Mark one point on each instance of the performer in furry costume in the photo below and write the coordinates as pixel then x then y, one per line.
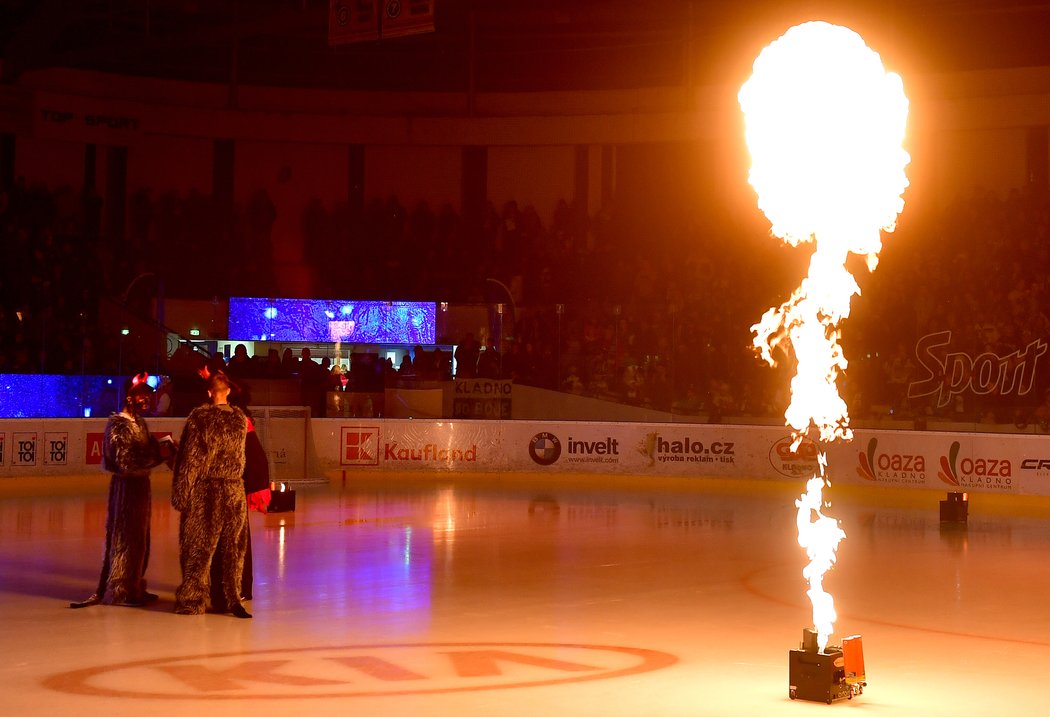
pixel 208 489
pixel 257 490
pixel 128 452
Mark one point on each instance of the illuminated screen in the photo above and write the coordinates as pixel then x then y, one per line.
pixel 54 396
pixel 329 320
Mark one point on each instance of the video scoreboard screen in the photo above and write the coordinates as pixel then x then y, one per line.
pixel 332 320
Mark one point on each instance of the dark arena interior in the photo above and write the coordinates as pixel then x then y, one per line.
pixel 486 277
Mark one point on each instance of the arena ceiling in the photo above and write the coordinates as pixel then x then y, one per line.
pixel 501 45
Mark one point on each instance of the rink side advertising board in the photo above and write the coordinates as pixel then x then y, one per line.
pixel 930 460
pixel 943 461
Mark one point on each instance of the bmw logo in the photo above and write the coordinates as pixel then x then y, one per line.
pixel 545 448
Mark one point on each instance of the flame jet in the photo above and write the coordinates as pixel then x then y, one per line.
pixel 824 123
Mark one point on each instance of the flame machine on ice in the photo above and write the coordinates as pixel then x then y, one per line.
pixel 824 124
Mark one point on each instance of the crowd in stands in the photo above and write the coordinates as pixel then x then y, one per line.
pixel 979 270
pixel 611 305
pixel 54 272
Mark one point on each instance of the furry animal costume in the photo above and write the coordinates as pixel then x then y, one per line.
pixel 256 478
pixel 128 452
pixel 208 489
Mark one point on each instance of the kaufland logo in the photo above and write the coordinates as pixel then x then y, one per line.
pixel 985 472
pixel 428 453
pixel 360 446
pixel 373 671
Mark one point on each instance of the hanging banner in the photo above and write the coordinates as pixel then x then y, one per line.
pixel 352 21
pixel 407 17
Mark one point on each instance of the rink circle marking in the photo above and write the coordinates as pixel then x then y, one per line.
pixel 566 659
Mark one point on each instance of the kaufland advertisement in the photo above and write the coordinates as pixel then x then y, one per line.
pixel 941 461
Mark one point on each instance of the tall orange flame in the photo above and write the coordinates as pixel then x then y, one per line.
pixel 825 125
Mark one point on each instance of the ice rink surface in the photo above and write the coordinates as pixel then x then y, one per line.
pixel 532 595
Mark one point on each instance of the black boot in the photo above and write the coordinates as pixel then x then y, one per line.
pixel 93 600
